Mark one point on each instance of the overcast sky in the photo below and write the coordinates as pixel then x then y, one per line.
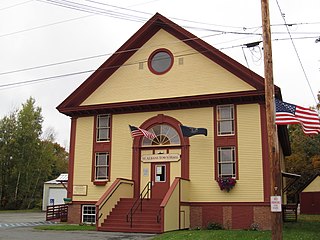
pixel 48 48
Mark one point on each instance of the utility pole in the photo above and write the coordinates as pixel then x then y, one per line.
pixel 273 151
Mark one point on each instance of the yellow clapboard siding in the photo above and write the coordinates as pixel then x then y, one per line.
pixel 129 83
pixel 249 187
pixel 250 152
pixel 202 187
pixel 83 159
pixel 314 186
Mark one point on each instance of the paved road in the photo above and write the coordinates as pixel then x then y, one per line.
pixel 19 226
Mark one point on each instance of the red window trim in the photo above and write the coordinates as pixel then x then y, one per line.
pixel 152 55
pixel 225 141
pixel 100 146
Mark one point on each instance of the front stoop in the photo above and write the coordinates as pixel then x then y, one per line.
pixel 143 222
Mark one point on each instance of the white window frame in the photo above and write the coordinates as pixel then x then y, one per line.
pixel 231 162
pixel 96 166
pixel 221 121
pixel 100 128
pixel 88 214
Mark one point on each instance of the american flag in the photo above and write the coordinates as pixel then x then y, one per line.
pixel 136 132
pixel 287 113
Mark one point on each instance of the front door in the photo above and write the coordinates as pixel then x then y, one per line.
pixel 160 177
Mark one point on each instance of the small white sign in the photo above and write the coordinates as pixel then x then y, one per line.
pixel 145 172
pixel 275 203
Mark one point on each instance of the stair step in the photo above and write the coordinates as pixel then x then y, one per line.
pixel 145 221
pixel 135 230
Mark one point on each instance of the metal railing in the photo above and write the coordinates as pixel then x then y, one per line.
pixel 138 203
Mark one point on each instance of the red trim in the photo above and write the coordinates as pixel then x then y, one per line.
pixel 170 192
pixel 104 146
pixel 136 163
pixel 133 44
pixel 265 158
pixel 84 202
pixel 151 57
pixel 179 209
pixel 225 141
pixel 166 103
pixel 71 157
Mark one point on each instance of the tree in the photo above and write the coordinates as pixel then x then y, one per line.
pixel 26 160
pixel 304 159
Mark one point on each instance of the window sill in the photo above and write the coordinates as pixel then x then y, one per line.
pixel 100 183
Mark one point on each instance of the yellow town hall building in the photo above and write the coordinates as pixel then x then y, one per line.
pixel 161 79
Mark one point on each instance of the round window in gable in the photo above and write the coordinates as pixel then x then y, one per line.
pixel 160 61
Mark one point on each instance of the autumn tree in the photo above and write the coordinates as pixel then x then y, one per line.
pixel 305 157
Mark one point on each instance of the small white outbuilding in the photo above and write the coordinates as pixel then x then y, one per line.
pixel 54 191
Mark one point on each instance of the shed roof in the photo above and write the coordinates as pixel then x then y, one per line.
pixel 63 177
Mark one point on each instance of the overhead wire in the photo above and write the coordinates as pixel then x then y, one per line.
pixel 297 54
pixel 15 5
pixel 101 55
pixel 129 19
pixel 37 80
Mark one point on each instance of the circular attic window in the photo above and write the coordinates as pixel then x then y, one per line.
pixel 160 61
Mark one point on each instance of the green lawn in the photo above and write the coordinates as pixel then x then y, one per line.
pixel 307 228
pixel 67 227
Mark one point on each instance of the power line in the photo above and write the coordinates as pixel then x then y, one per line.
pixel 296 51
pixel 43 26
pixel 37 80
pixel 55 2
pixel 15 5
pixel 129 50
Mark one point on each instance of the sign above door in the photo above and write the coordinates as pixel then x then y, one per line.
pixel 173 157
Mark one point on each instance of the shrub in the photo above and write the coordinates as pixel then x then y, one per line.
pixel 214 226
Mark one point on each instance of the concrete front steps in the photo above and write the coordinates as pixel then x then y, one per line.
pixel 143 222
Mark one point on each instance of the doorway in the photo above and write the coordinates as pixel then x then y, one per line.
pixel 160 177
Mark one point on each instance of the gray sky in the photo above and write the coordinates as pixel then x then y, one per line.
pixel 34 34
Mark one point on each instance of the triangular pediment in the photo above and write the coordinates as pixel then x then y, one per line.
pixel 199 71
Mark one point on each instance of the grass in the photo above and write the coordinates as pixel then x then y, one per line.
pixel 67 227
pixel 307 228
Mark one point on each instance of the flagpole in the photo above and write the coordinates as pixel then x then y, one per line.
pixel 273 151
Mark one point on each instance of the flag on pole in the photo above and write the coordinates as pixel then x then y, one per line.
pixel 136 132
pixel 287 113
pixel 191 131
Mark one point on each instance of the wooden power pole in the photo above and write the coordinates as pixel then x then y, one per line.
pixel 273 151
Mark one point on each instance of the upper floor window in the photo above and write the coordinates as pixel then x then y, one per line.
pixel 166 135
pixel 103 127
pixel 160 61
pixel 226 162
pixel 102 166
pixel 225 120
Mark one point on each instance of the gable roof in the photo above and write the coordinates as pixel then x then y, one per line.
pixel 307 183
pixel 71 105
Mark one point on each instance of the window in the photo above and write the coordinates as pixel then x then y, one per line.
pixel 89 214
pixel 101 166
pixel 160 173
pixel 225 120
pixel 160 61
pixel 103 127
pixel 166 135
pixel 226 162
